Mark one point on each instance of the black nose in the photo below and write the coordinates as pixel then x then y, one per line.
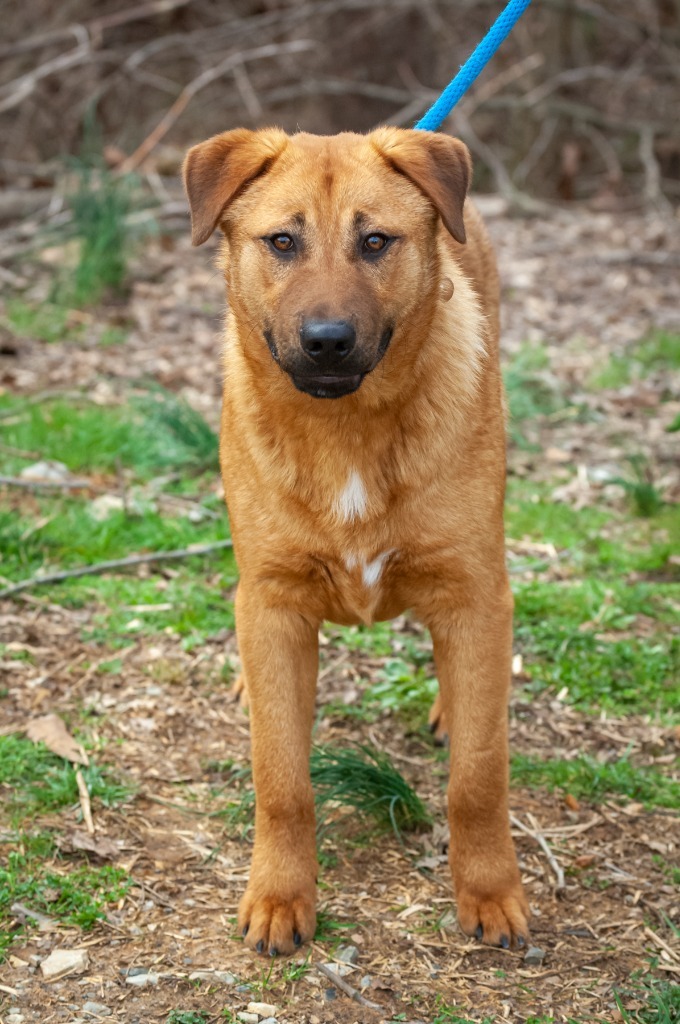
pixel 327 342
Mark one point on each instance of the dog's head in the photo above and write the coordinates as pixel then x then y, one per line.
pixel 331 250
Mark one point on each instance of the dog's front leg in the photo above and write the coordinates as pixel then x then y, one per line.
pixel 279 651
pixel 473 649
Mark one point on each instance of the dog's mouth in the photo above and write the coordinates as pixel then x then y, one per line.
pixel 330 385
pixel 326 386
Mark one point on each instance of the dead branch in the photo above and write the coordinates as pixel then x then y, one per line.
pixel 542 842
pixel 116 563
pixel 21 87
pixel 91 29
pixel 59 485
pixel 345 987
pixel 195 86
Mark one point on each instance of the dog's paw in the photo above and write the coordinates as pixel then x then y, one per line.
pixel 497 920
pixel 272 925
pixel 239 691
pixel 435 721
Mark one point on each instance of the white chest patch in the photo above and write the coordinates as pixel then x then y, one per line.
pixel 370 571
pixel 352 501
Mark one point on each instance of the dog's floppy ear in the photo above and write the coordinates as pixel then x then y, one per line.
pixel 215 172
pixel 439 165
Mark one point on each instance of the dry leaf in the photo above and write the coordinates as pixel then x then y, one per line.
pixel 51 731
pixel 100 846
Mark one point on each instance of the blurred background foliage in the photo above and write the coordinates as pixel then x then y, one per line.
pixel 581 101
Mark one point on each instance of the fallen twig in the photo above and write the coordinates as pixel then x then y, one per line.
pixel 85 805
pixel 116 563
pixel 542 842
pixel 661 943
pixel 345 987
pixel 59 485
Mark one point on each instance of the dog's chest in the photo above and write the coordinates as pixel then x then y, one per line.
pixel 363 565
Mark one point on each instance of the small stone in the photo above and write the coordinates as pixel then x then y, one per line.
pixel 269 1020
pixel 15 1017
pixel 104 506
pixel 340 969
pixel 330 994
pixel 262 1009
pixel 64 961
pixel 131 972
pixel 142 980
pixel 248 1018
pixel 366 981
pixel 224 977
pixel 347 954
pixel 97 1008
pixel 534 956
pixel 48 469
pixel 243 988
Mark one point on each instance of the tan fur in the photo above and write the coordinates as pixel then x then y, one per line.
pixel 424 435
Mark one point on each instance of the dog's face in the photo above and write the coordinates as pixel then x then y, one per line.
pixel 330 241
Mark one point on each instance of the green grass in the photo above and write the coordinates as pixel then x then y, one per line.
pixel 34 781
pixel 529 389
pixel 599 540
pixel 640 487
pixel 402 688
pixel 156 432
pixel 586 778
pixel 36 876
pixel 661 1003
pixel 660 350
pixel 568 634
pixel 45 321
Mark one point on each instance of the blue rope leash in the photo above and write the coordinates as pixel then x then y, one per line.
pixel 476 62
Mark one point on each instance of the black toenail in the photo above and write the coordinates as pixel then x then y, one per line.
pixel 273 951
pixel 480 932
pixel 245 930
pixel 520 942
pixel 260 946
pixel 505 942
pixel 297 938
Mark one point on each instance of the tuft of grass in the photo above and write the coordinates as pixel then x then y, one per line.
pixel 328 927
pixel 586 778
pixel 100 207
pixel 662 1004
pixel 640 487
pixel 366 780
pixel 187 1017
pixel 529 389
pixel 359 778
pixel 34 781
pixel 184 439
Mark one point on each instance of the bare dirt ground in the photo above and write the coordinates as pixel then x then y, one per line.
pixel 584 283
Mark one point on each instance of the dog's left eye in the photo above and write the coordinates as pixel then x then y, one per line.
pixel 282 243
pixel 374 243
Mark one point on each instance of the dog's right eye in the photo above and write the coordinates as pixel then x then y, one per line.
pixel 282 243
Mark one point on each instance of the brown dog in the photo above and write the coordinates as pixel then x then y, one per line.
pixel 363 458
